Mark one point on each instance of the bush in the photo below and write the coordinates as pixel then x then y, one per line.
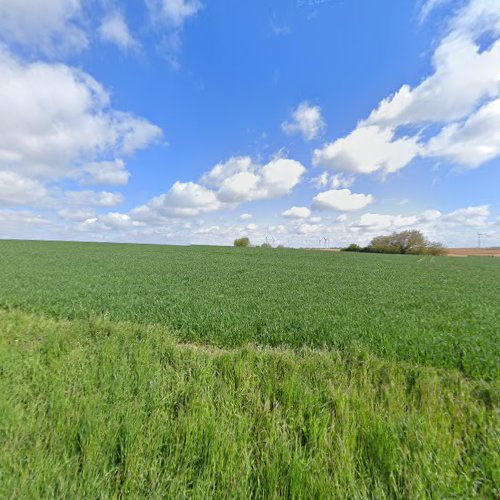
pixel 266 245
pixel 353 247
pixel 242 242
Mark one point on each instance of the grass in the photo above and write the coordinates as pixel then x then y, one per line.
pixel 104 409
pixel 148 371
pixel 440 311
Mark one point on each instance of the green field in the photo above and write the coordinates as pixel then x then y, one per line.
pixel 138 370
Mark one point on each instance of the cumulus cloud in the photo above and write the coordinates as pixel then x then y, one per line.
pixel 384 222
pixel 368 149
pixel 297 213
pixel 16 189
pixel 184 199
pixel 78 214
pixel 51 26
pixel 105 172
pixel 463 76
pixel 114 29
pixel 341 199
pixel 55 118
pixel 172 15
pixel 226 185
pixel 308 229
pixel 240 179
pixel 459 98
pixel 339 181
pixel 321 180
pixel 336 181
pixel 173 12
pixel 306 120
pixel 472 142
pixel 93 198
pixel 470 216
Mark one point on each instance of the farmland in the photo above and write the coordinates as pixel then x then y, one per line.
pixel 134 370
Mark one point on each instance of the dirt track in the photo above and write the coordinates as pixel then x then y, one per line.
pixel 473 251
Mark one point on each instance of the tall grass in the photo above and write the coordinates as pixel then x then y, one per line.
pixel 94 408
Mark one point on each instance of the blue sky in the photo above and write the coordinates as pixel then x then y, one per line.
pixel 198 121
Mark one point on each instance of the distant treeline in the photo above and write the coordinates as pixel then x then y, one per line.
pixel 406 242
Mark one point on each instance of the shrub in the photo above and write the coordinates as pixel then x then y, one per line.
pixel 242 242
pixel 353 247
pixel 405 242
pixel 266 245
pixel 410 242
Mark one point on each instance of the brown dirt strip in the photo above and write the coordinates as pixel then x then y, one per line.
pixel 473 252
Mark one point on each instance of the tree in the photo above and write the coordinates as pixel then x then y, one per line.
pixel 266 245
pixel 242 242
pixel 405 242
pixel 411 241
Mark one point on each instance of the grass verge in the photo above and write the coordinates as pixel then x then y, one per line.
pixel 104 409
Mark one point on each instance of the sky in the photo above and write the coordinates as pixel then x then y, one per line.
pixel 296 122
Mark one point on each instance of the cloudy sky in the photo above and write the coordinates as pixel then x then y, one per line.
pixel 198 121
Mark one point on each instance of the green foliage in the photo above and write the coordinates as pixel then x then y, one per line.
pixel 353 247
pixel 438 312
pixel 242 242
pixel 266 245
pixel 99 409
pixel 405 242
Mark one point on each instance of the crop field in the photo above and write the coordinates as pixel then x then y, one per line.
pixel 195 372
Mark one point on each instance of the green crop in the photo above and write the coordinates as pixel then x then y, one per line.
pixel 141 371
pixel 441 311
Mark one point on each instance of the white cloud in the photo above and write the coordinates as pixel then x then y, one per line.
pixel 239 179
pixel 79 215
pixel 336 181
pixel 297 213
pixel 51 26
pixel 114 29
pixel 309 229
pixel 245 216
pixel 384 222
pixel 321 180
pixel 18 190
pixel 368 149
pixel 174 12
pixel 430 5
pixel 229 184
pixel 105 172
pixel 341 199
pixel 465 77
pixel 93 198
pixel 306 120
pixel 220 172
pixel 339 181
pixel 470 216
pixel 184 199
pixel 116 220
pixel 252 226
pixel 471 143
pixel 54 118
